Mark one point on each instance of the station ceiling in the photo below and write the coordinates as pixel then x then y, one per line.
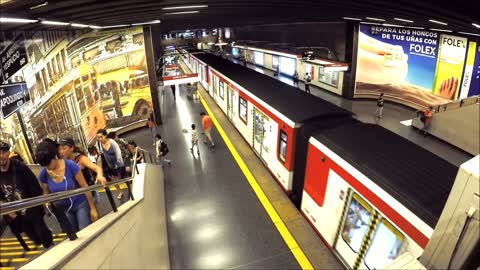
pixel 460 15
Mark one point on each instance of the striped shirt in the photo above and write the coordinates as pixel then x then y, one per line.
pixel 194 136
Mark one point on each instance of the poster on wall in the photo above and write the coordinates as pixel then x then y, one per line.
pixel 80 84
pixel 471 75
pixel 275 62
pixel 327 76
pixel 409 65
pixel 249 56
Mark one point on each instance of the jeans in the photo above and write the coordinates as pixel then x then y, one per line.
pixel 153 132
pixel 79 216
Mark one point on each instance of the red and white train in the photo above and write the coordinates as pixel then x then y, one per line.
pixel 370 194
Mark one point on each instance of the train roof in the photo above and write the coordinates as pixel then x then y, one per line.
pixel 296 105
pixel 417 178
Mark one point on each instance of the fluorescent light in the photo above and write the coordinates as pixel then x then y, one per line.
pixel 54 23
pixel 403 20
pixel 151 22
pixel 16 20
pixel 392 25
pixel 95 27
pixel 79 25
pixel 351 18
pixel 375 19
pixel 116 26
pixel 434 21
pixel 476 25
pixel 465 33
pixel 40 5
pixel 372 23
pixel 182 12
pixel 184 7
pixel 440 30
pixel 415 27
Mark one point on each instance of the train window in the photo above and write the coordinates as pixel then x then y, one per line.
pixel 243 109
pixel 221 91
pixel 282 149
pixel 356 222
pixel 385 247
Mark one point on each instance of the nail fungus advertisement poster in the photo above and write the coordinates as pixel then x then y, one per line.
pixel 416 67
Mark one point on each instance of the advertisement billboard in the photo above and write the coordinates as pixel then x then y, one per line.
pixel 79 84
pixel 418 68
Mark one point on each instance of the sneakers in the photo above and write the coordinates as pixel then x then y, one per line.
pixel 198 153
pixel 170 164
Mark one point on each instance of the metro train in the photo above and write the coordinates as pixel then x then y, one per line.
pixel 370 194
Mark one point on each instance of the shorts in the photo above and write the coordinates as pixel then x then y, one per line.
pixel 207 131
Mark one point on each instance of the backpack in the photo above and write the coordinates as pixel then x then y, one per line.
pixel 164 148
pixel 309 79
pixel 89 175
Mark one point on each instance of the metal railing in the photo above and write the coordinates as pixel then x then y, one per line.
pixel 457 104
pixel 15 206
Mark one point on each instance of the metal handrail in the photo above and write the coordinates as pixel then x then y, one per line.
pixel 11 207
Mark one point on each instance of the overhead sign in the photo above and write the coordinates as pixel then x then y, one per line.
pixel 12 98
pixel 13 57
pixel 181 79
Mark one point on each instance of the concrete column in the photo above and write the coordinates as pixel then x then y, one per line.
pixel 152 75
pixel 351 48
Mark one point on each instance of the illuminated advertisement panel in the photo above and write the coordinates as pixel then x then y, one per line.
pixel 416 67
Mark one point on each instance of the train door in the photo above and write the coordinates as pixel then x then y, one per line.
pixel 261 131
pixel 365 239
pixel 231 103
pixel 215 88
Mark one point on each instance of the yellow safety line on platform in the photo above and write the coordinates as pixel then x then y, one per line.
pixel 21 253
pixel 7 268
pixel 14 243
pixel 14 260
pixel 281 227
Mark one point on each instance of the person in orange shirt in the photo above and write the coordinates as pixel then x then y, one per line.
pixel 207 125
pixel 428 114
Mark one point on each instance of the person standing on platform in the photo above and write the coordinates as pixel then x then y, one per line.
pixel 379 111
pixel 207 125
pixel 17 182
pixel 427 118
pixel 308 79
pixel 173 91
pixel 194 140
pixel 162 150
pixel 295 79
pixel 152 126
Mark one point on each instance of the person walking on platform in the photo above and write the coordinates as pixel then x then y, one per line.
pixel 379 111
pixel 162 150
pixel 173 91
pixel 207 125
pixel 426 118
pixel 152 126
pixel 17 182
pixel 308 79
pixel 295 79
pixel 194 140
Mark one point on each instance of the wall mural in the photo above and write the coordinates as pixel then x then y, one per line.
pixel 79 83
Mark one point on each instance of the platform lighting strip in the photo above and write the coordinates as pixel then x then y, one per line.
pixel 476 25
pixel 438 22
pixel 375 19
pixel 185 7
pixel 16 20
pixel 54 23
pixel 472 34
pixel 79 25
pixel 351 18
pixel 440 30
pixel 115 26
pixel 415 27
pixel 182 12
pixel 151 22
pixel 39 5
pixel 371 23
pixel 403 20
pixel 392 25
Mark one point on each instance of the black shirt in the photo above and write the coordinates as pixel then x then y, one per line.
pixel 18 182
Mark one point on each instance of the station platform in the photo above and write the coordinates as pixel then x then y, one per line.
pixel 395 117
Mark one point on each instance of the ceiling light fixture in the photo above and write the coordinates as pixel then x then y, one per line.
pixel 116 26
pixel 438 22
pixel 392 25
pixel 372 23
pixel 55 23
pixel 351 18
pixel 415 27
pixel 375 19
pixel 16 20
pixel 79 25
pixel 403 20
pixel 472 34
pixel 440 30
pixel 476 25
pixel 39 5
pixel 185 7
pixel 95 27
pixel 182 12
pixel 151 22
